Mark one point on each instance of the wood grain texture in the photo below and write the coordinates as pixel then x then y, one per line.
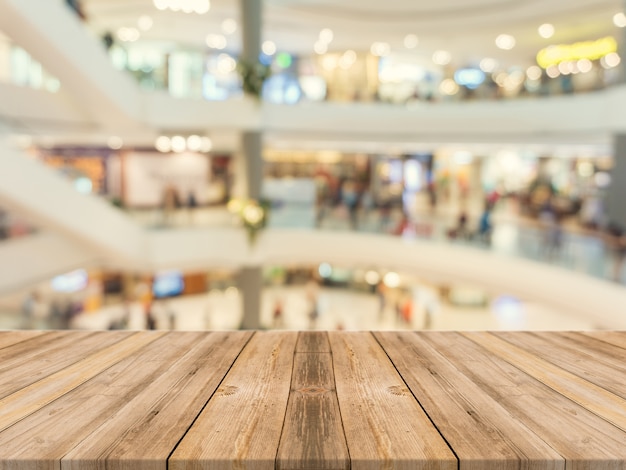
pixel 385 427
pixel 482 433
pixel 312 401
pixel 616 338
pixel 35 361
pixel 240 427
pixel 581 355
pixel 589 395
pixel 35 396
pixel 312 436
pixel 143 433
pixel 8 338
pixel 585 440
pixel 313 341
pixel 54 430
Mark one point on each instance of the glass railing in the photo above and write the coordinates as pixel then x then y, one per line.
pixel 188 73
pixel 564 244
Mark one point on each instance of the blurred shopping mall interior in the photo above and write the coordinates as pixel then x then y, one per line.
pixel 294 164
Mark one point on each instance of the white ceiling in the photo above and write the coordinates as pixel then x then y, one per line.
pixel 467 28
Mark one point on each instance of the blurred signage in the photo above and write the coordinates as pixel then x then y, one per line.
pixel 592 50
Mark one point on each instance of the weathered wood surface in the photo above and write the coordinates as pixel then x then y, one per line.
pixel 312 400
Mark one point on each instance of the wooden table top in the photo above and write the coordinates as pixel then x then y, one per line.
pixel 312 400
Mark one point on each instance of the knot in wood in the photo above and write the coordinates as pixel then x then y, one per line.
pixel 398 390
pixel 227 390
pixel 312 390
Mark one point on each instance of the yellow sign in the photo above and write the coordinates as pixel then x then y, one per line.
pixel 592 50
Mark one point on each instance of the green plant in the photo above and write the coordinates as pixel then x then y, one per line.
pixel 253 215
pixel 253 75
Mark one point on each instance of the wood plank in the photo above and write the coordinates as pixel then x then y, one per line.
pixel 384 425
pixel 38 394
pixel 577 354
pixel 144 432
pixel 38 361
pixel 584 439
pixel 312 434
pixel 312 341
pixel 43 438
pixel 241 425
pixel 24 350
pixel 616 338
pixel 589 395
pixel 8 338
pixel 482 433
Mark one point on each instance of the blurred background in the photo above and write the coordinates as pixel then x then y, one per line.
pixel 196 164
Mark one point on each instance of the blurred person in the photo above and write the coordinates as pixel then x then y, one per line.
pixel 552 230
pixel 277 314
pixel 311 290
pixel 151 323
pixel 192 203
pixel 616 241
pixel 350 198
pixel 4 224
pixel 170 203
pixel 404 225
pixel 34 310
pixel 484 225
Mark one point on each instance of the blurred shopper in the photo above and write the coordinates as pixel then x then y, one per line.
pixel 616 240
pixel 34 310
pixel 277 314
pixel 484 225
pixel 311 291
pixel 552 231
pixel 4 224
pixel 350 198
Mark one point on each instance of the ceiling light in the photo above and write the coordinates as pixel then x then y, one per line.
pixel 216 41
pixel 442 57
pixel 128 34
pixel 115 143
pixel 226 64
pixel 534 72
pixel 565 68
pixel 392 279
pixel 411 41
pixel 546 30
pixel 163 144
pixel 380 49
pixel 505 41
pixel 194 143
pixel 584 65
pixel 205 144
pixel 179 144
pixel 269 48
pixel 553 71
pixel 188 6
pixel 347 59
pixel 145 22
pixel 161 4
pixel 488 65
pixel 610 60
pixel 619 20
pixel 201 6
pixel 449 87
pixel 372 278
pixel 229 26
pixel 326 35
pixel 320 47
